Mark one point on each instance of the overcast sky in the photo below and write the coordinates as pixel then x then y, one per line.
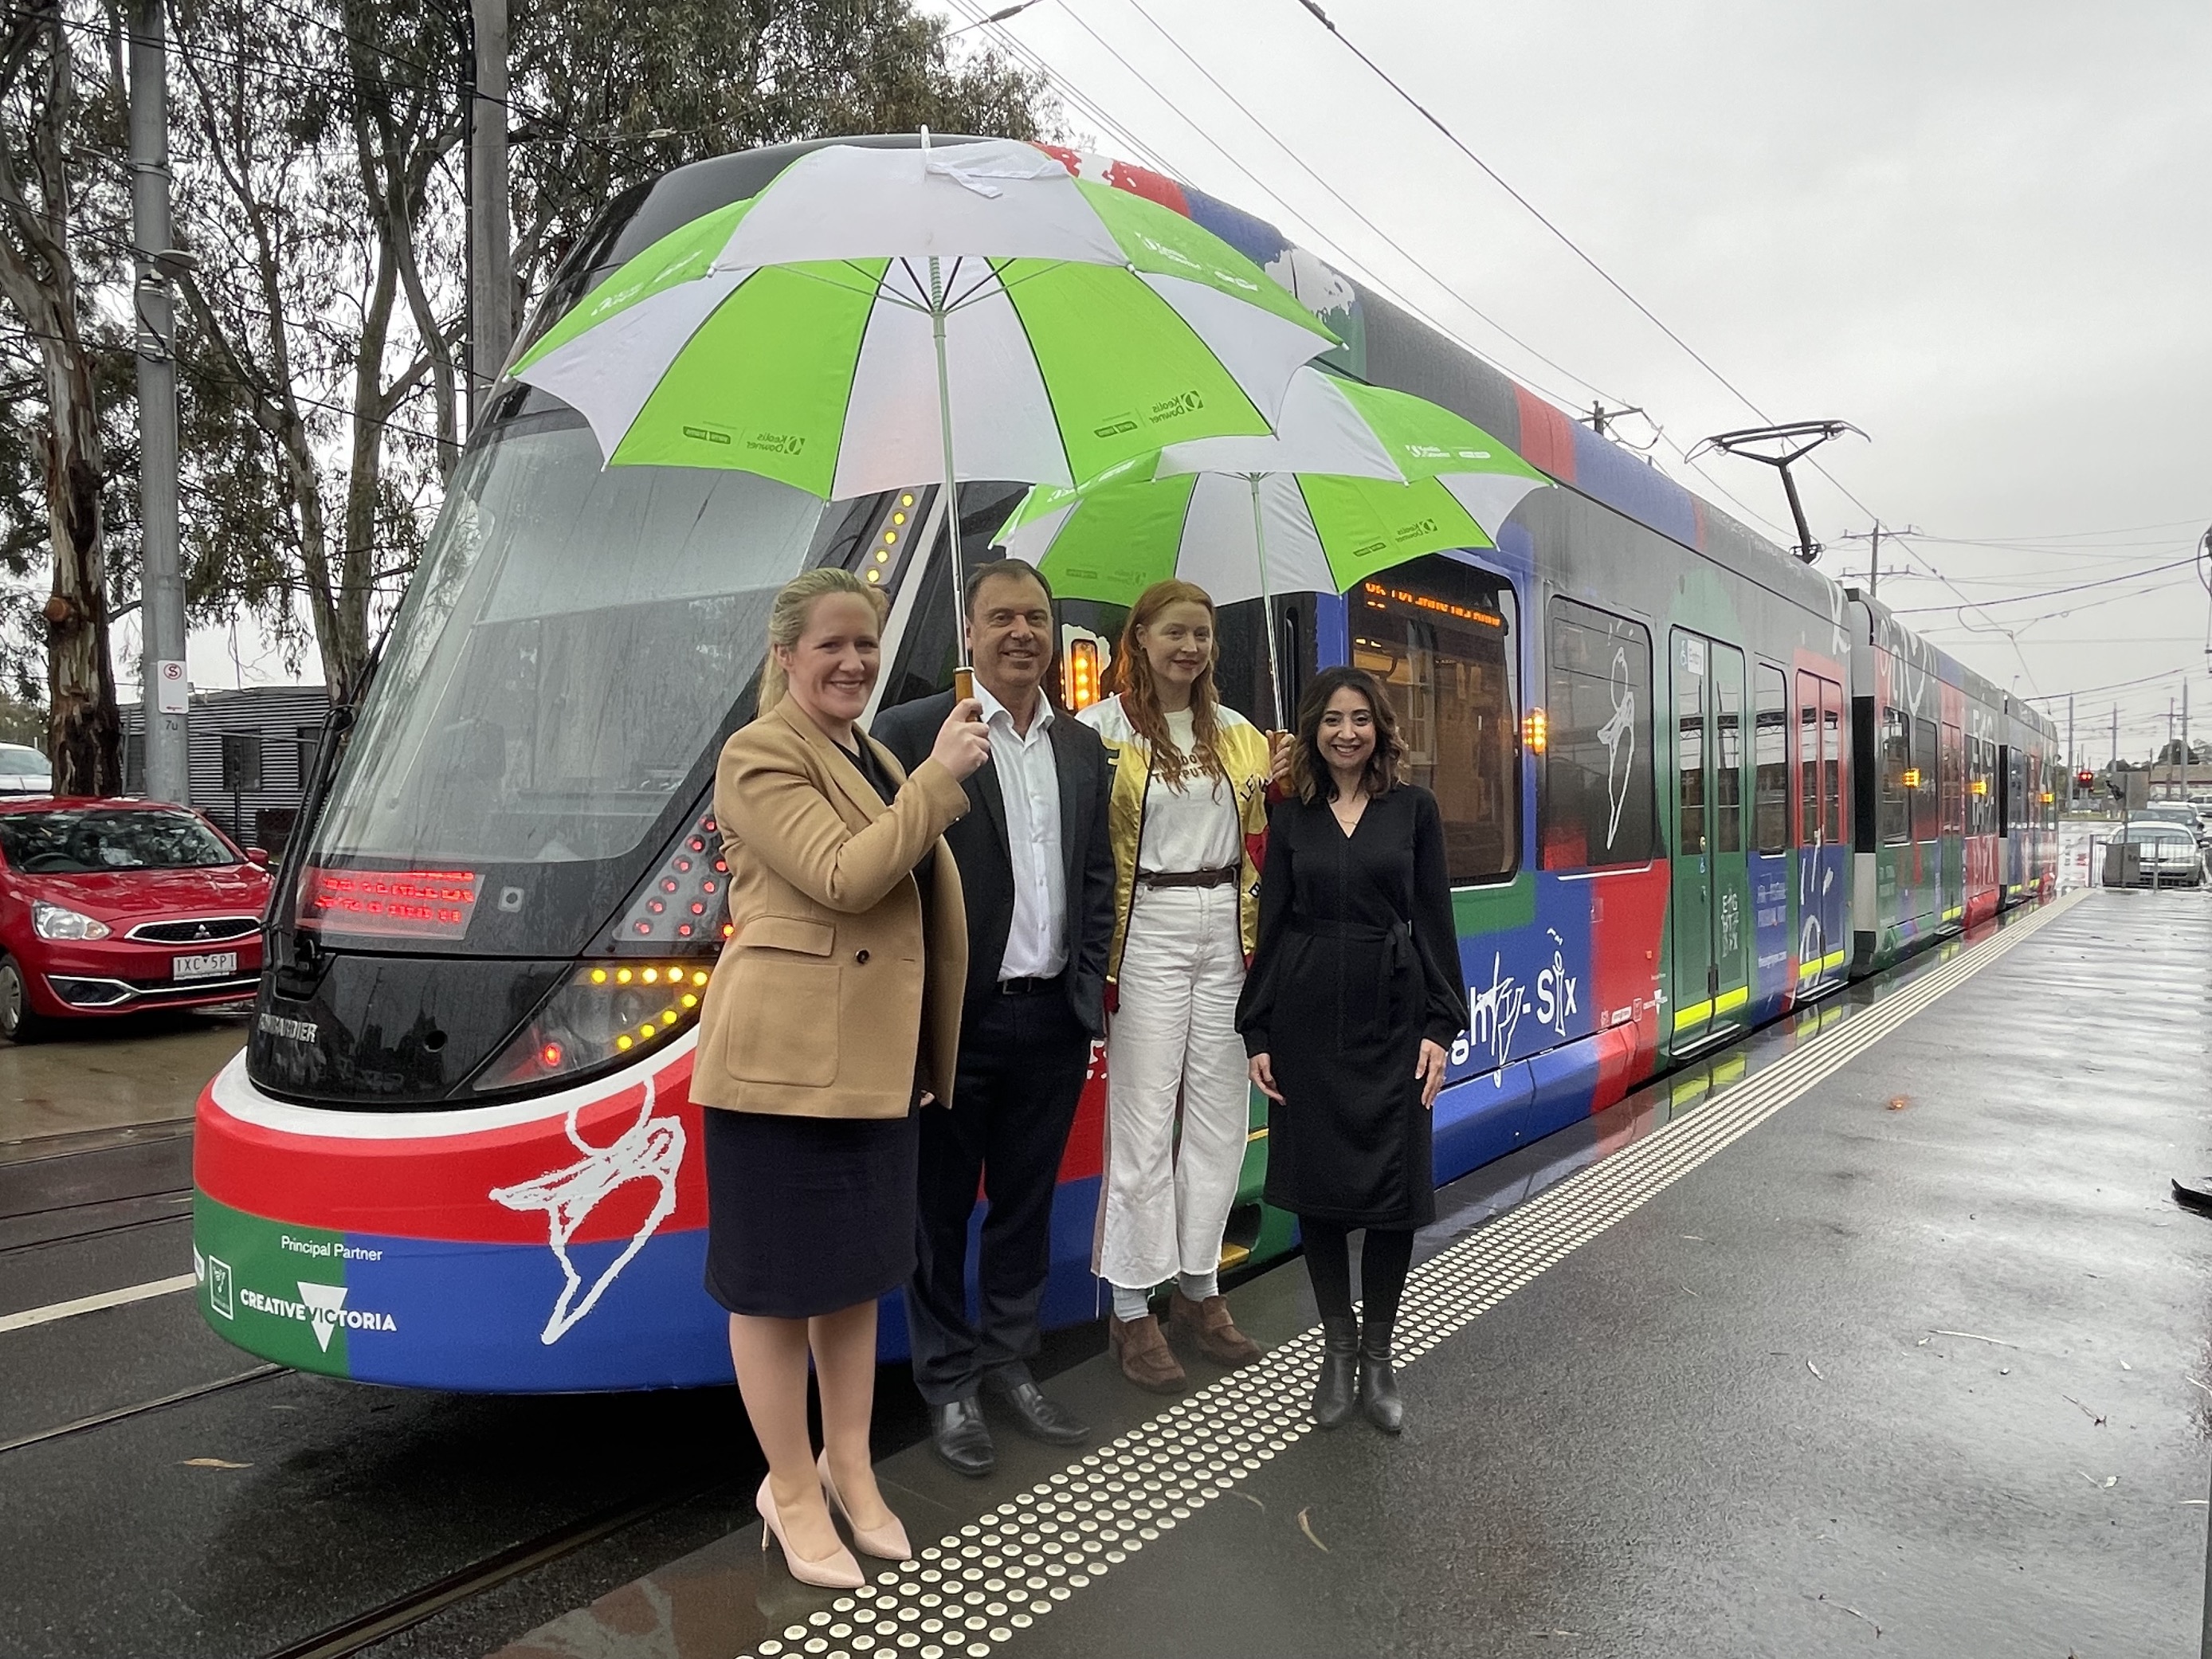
pixel 1982 233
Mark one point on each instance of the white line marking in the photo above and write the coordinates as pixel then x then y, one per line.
pixel 970 1591
pixel 85 1304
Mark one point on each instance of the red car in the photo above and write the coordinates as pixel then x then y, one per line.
pixel 111 907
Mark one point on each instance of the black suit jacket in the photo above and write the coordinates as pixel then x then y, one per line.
pixel 986 871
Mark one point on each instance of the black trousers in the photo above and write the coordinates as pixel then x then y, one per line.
pixel 1021 1070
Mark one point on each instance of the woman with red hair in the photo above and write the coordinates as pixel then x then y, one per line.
pixel 1187 809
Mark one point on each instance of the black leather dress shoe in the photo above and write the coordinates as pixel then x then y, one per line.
pixel 1039 1418
pixel 961 1440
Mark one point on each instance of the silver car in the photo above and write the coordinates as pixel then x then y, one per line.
pixel 2170 855
pixel 24 771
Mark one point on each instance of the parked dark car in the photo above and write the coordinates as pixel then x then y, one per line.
pixel 111 907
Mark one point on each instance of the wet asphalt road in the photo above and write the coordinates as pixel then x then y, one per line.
pixel 1636 1447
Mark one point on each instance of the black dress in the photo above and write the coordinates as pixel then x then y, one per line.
pixel 1357 962
pixel 807 1215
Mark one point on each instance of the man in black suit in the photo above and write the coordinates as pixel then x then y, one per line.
pixel 1037 873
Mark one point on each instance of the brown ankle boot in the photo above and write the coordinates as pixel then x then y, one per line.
pixel 1143 1354
pixel 1208 1324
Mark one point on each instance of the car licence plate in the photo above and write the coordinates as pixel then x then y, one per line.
pixel 214 964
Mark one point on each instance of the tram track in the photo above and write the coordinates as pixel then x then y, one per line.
pixel 124 1414
pixel 403 1612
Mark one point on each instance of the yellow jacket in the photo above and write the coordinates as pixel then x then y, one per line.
pixel 1243 749
pixel 829 994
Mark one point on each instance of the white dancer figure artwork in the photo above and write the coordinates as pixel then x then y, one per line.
pixel 651 1149
pixel 1618 736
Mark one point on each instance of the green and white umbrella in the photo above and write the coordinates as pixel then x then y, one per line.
pixel 875 318
pixel 1356 479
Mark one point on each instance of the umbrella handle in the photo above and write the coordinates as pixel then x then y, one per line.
pixel 962 677
pixel 1266 607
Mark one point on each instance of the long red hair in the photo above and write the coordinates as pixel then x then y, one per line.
pixel 1140 697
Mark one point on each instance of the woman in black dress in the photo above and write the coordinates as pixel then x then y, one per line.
pixel 1354 994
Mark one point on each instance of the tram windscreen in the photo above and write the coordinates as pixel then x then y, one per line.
pixel 574 641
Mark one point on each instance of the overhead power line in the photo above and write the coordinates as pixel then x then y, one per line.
pixel 1535 212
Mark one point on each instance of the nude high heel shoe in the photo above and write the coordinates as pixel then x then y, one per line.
pixel 836 1571
pixel 887 1542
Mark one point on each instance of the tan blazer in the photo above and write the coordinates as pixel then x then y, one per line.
pixel 822 999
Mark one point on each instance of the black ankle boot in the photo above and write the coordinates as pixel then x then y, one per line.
pixel 1378 1383
pixel 1334 1390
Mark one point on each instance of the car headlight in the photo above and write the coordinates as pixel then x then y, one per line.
pixel 52 922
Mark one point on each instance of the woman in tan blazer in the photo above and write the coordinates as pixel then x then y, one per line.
pixel 832 1016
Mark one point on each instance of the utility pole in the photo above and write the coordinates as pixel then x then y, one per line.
pixel 2116 738
pixel 2169 724
pixel 164 691
pixel 2185 737
pixel 2072 789
pixel 491 295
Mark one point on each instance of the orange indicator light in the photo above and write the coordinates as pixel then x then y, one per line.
pixel 1535 732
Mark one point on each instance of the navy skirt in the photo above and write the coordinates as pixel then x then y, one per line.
pixel 807 1215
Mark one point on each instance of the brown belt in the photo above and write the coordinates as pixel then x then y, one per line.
pixel 1220 877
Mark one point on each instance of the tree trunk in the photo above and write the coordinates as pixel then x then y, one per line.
pixel 85 734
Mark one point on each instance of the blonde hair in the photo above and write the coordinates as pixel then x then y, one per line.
pixel 1140 699
pixel 787 618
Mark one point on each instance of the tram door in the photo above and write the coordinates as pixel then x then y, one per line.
pixel 1710 898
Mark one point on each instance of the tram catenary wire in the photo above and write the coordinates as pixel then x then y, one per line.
pixel 1327 245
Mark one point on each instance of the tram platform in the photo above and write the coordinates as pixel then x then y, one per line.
pixel 1878 1333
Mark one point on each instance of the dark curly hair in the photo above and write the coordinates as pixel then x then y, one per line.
pixel 1310 773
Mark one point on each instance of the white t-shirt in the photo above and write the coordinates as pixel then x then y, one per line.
pixel 1192 825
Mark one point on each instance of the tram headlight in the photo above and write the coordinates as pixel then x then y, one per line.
pixel 603 1013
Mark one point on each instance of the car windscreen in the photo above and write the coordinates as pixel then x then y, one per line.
pixel 2168 832
pixel 88 840
pixel 15 759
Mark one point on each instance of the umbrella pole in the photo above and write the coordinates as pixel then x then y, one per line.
pixel 963 677
pixel 1267 604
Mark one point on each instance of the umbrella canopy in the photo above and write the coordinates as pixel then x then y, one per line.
pixel 875 318
pixel 1355 479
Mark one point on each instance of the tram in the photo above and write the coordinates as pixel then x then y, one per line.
pixel 1688 783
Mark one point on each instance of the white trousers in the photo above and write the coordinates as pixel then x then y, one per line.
pixel 1173 1039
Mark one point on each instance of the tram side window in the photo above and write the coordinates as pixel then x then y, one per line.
pixel 1690 742
pixel 1950 798
pixel 1439 635
pixel 1811 830
pixel 1597 805
pixel 1924 780
pixel 1896 793
pixel 1831 759
pixel 1727 757
pixel 1771 752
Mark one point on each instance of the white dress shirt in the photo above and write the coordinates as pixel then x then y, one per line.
pixel 1029 784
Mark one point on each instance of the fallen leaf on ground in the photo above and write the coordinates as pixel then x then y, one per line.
pixel 1899 1102
pixel 1306 1526
pixel 2084 1410
pixel 1253 1501
pixel 1840 1607
pixel 1971 1337
pixel 2125 1366
pixel 1815 1370
pixel 2111 1480
pixel 213 1463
